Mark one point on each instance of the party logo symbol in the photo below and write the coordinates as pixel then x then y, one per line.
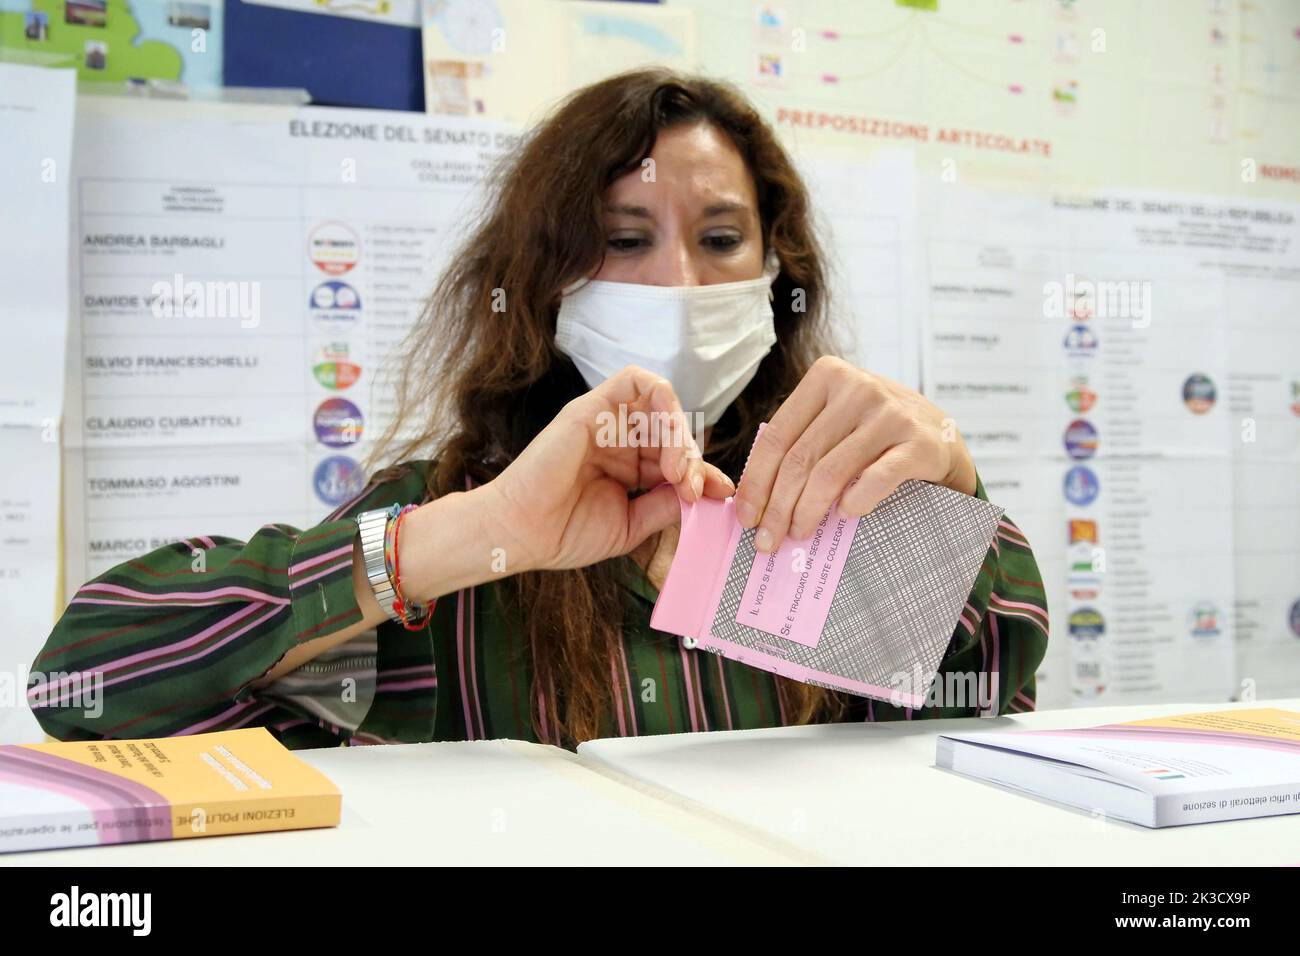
pixel 1080 397
pixel 333 366
pixel 337 422
pixel 333 248
pixel 1086 624
pixel 1199 393
pixel 1081 485
pixel 1080 439
pixel 1203 621
pixel 337 479
pixel 1082 529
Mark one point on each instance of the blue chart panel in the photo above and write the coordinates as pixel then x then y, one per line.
pixel 340 61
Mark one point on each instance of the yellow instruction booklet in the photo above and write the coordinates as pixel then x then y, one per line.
pixel 90 792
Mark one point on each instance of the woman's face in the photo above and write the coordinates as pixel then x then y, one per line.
pixel 688 218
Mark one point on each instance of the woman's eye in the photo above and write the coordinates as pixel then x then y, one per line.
pixel 722 243
pixel 626 243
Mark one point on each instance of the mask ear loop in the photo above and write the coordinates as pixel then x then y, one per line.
pixel 574 286
pixel 771 269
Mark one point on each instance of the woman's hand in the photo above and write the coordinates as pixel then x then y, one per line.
pixel 563 503
pixel 842 424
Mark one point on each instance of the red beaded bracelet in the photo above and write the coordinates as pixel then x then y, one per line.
pixel 413 616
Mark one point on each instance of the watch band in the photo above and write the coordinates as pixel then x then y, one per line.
pixel 372 525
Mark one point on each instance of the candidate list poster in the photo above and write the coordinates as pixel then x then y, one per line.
pixel 244 276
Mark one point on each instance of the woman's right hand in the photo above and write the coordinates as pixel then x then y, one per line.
pixel 563 503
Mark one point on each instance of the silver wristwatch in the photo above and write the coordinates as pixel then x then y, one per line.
pixel 373 525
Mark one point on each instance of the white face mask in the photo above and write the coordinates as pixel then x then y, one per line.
pixel 707 340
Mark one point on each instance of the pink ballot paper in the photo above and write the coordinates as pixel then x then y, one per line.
pixel 866 606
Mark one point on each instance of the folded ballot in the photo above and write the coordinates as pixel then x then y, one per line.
pixel 88 792
pixel 1165 771
pixel 866 606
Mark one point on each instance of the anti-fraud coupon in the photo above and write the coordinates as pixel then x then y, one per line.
pixel 241 276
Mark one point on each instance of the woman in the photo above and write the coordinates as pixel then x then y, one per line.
pixel 535 541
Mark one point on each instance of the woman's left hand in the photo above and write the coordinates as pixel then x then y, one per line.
pixel 842 424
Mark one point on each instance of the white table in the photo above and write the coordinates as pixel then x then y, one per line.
pixel 870 794
pixel 853 793
pixel 488 802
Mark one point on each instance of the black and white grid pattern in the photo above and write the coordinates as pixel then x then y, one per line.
pixel 910 568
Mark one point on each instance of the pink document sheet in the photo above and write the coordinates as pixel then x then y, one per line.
pixel 866 606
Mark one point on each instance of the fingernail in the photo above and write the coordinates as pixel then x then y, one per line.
pixel 697 484
pixel 763 540
pixel 682 465
pixel 747 514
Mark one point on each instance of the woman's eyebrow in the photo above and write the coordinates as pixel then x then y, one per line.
pixel 641 212
pixel 722 208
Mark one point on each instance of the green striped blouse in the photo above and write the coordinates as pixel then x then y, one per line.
pixel 173 640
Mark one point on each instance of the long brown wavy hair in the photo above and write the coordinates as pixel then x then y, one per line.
pixel 501 379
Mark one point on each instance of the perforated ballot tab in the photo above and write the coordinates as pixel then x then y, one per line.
pixel 794 605
pixel 866 606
